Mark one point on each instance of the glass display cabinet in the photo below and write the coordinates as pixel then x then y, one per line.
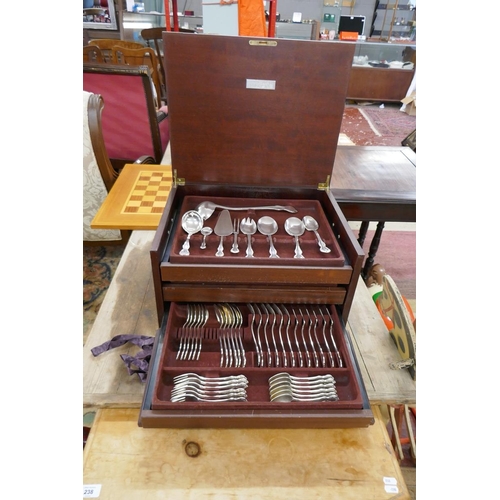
pixel 381 71
pixel 394 20
pixel 385 55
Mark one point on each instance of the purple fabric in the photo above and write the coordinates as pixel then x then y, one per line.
pixel 137 364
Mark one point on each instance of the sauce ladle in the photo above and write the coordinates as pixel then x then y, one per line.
pixel 191 223
pixel 207 208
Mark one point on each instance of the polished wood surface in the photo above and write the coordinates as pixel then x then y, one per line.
pixel 375 183
pixel 135 463
pixel 129 307
pixel 379 84
pixel 262 121
pixel 133 188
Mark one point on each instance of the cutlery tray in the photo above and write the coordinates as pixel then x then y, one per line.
pixel 303 329
pixel 284 243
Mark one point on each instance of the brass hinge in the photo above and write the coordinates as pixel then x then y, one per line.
pixel 324 186
pixel 178 181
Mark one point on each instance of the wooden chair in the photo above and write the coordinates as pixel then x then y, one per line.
pixel 132 126
pixel 98 172
pixel 92 53
pixel 155 35
pixel 106 44
pixel 138 57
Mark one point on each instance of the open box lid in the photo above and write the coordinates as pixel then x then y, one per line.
pixel 254 111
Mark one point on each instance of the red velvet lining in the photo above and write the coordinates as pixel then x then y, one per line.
pixel 284 243
pixel 208 364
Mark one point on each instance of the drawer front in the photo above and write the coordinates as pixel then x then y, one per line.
pixel 258 343
pixel 236 293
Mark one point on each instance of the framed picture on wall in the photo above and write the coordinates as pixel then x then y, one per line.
pixel 99 14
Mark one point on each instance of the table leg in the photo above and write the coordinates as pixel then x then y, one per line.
pixel 373 249
pixel 362 232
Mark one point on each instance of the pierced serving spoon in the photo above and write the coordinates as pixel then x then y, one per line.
pixel 268 226
pixel 311 224
pixel 205 231
pixel 248 227
pixel 295 227
pixel 191 223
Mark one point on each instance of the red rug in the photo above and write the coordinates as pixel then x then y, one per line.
pixel 374 126
pixel 397 253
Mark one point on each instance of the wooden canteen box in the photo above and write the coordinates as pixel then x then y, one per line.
pixel 254 122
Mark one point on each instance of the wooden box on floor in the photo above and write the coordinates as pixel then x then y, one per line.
pixel 257 125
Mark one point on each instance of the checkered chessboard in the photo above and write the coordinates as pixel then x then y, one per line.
pixel 150 193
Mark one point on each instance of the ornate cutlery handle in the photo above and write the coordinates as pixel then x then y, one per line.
pixel 249 246
pixel 298 250
pixel 273 253
pixel 185 246
pixel 220 248
pixel 322 245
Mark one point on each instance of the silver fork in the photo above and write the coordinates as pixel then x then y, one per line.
pixel 236 230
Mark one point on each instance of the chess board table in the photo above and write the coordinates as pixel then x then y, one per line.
pixel 137 199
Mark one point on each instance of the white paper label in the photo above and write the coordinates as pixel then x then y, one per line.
pixel 390 480
pixel 91 490
pixel 391 489
pixel 261 84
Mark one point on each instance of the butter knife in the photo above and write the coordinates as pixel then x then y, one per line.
pixel 223 227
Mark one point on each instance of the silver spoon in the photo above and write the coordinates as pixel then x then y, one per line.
pixel 295 227
pixel 205 231
pixel 207 208
pixel 191 223
pixel 311 224
pixel 268 226
pixel 248 227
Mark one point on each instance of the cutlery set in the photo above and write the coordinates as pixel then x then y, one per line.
pixel 283 388
pixel 297 336
pixel 193 221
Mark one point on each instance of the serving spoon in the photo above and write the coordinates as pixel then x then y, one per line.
pixel 268 226
pixel 249 228
pixel 207 208
pixel 295 227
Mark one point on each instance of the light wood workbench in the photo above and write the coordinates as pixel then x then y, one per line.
pixel 130 462
pixel 129 308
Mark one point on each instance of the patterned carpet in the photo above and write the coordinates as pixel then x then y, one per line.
pixel 99 266
pixel 370 125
